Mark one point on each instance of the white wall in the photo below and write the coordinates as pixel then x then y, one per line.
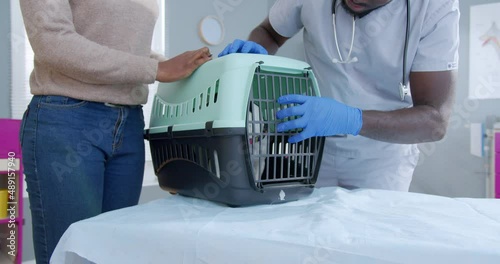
pixel 238 16
pixel 4 59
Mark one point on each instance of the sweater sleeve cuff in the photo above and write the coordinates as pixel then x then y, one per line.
pixel 149 69
pixel 157 56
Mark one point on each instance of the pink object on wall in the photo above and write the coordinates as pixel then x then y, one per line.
pixel 9 136
pixel 497 165
pixel 497 142
pixel 10 148
pixel 497 187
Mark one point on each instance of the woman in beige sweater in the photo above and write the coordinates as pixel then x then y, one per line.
pixel 82 134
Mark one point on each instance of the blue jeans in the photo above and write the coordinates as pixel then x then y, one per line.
pixel 80 159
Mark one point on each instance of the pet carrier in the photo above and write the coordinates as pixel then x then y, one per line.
pixel 213 135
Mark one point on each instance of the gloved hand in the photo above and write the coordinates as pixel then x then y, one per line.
pixel 242 46
pixel 318 117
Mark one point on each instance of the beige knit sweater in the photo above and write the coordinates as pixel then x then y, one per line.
pixel 95 50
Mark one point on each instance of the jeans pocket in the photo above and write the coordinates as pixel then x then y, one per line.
pixel 23 125
pixel 57 101
pixel 142 115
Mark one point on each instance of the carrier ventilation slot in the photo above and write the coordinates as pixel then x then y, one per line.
pixel 273 159
pixel 162 109
pixel 203 157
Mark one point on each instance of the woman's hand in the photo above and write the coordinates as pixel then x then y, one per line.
pixel 183 65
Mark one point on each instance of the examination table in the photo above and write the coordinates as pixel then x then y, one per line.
pixel 332 225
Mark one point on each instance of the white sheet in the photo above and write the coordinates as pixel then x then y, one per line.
pixel 333 225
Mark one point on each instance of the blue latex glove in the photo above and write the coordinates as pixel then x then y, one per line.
pixel 242 46
pixel 318 117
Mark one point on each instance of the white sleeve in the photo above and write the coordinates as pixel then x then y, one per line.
pixel 285 17
pixel 439 42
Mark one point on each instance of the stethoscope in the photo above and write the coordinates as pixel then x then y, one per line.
pixel 403 85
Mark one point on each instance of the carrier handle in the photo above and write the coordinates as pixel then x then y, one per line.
pixel 276 69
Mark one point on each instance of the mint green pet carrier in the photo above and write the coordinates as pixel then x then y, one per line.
pixel 213 136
